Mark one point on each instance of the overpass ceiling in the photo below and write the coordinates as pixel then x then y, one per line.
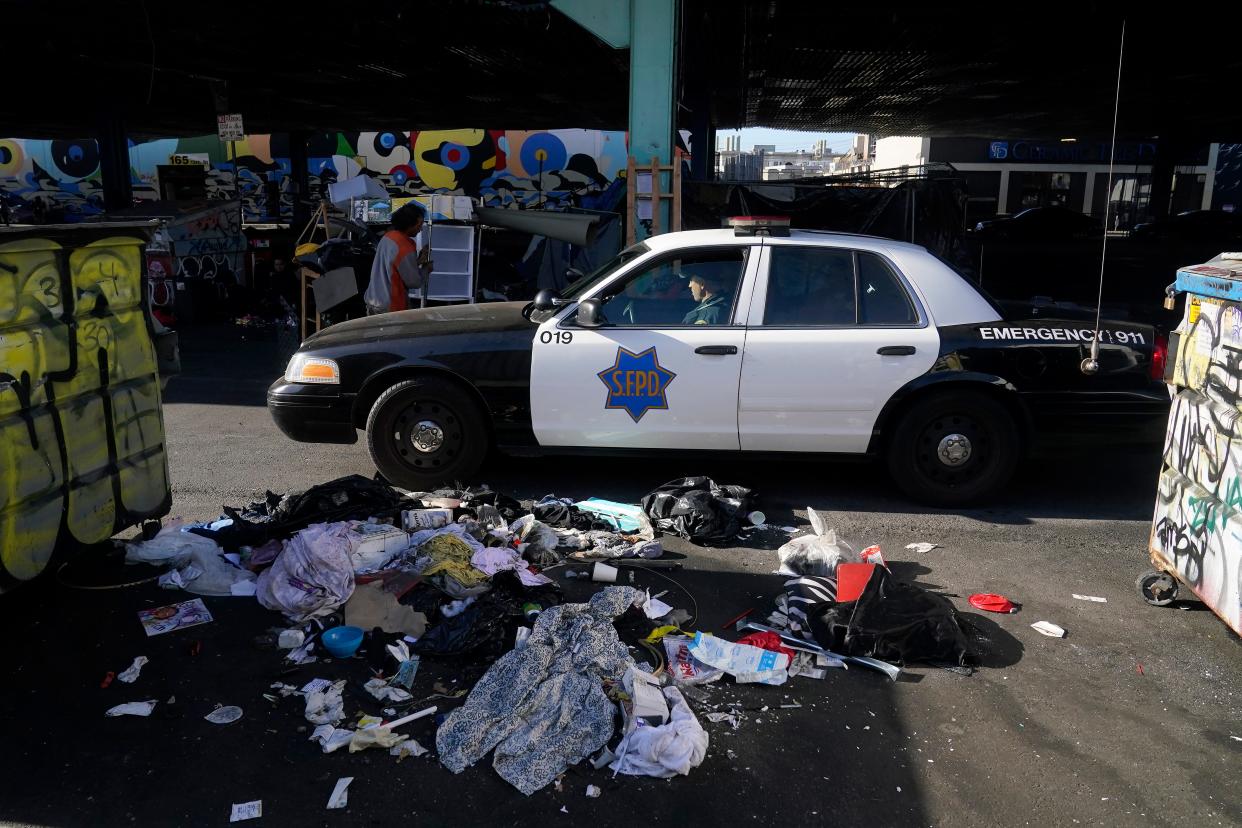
pixel 1035 70
pixel 967 68
pixel 169 67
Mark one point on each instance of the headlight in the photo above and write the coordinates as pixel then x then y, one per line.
pixel 309 369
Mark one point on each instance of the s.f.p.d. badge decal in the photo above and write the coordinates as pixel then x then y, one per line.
pixel 636 382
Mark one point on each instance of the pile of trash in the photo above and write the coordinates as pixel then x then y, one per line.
pixel 364 571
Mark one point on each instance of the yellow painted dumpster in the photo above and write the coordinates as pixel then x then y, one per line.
pixel 82 450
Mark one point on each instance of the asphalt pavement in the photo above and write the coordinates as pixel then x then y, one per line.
pixel 1134 718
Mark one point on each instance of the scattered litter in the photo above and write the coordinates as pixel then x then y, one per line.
pixel 793 706
pixel 745 663
pixel 1236 738
pixel 107 680
pixel 654 608
pixel 130 675
pixel 311 686
pixel 604 574
pixel 407 665
pixel 564 810
pixel 247 810
pixel 991 602
pixel 325 706
pixel 340 793
pixel 1097 599
pixel 290 639
pixel 1139 669
pixel 142 708
pixel 331 738
pixel 733 719
pixel 410 747
pixel 593 792
pixel 666 750
pixel 224 715
pixel 174 617
pixel 1049 629
pixel 697 509
pixel 381 690
pixel 374 737
pixel 922 548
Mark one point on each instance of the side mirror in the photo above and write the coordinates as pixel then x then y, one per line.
pixel 547 299
pixel 588 315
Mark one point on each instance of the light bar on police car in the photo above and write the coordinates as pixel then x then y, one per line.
pixel 306 369
pixel 759 225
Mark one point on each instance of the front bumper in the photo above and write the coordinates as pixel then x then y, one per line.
pixel 312 413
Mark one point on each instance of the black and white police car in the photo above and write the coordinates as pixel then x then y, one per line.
pixel 754 339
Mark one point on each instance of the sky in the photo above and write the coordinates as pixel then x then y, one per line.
pixel 787 140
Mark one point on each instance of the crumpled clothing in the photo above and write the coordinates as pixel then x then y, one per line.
pixel 312 576
pixel 451 555
pixel 499 558
pixel 543 708
pixel 528 530
pixel 666 750
pixel 599 545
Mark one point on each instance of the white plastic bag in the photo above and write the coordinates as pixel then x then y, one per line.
pixel 817 553
pixel 171 546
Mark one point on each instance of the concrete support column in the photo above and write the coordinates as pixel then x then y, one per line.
pixel 653 33
pixel 300 173
pixel 118 186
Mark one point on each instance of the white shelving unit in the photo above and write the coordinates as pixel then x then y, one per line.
pixel 454 255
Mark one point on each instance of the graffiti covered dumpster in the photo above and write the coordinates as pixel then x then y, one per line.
pixel 1197 529
pixel 82 451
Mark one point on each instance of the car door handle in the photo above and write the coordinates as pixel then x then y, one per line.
pixel 897 350
pixel 716 350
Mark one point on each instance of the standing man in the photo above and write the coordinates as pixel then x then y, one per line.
pixel 398 257
pixel 713 304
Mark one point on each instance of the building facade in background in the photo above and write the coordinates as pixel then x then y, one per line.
pixel 1004 177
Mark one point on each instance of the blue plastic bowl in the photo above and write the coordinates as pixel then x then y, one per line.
pixel 342 642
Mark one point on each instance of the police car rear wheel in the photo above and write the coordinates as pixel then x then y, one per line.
pixel 953 449
pixel 426 431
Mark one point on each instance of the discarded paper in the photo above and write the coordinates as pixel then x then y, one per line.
pixel 1097 599
pixel 340 794
pixel 1049 629
pixel 142 708
pixel 247 810
pixel 224 715
pixel 130 675
pixel 174 617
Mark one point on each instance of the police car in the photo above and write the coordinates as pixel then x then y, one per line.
pixel 753 339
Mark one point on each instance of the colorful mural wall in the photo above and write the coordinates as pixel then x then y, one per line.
pixel 60 180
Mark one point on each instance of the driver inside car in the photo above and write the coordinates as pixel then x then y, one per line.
pixel 713 300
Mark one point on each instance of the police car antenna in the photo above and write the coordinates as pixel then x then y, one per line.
pixel 1091 365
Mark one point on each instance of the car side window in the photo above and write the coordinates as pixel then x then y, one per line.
pixel 690 288
pixel 882 299
pixel 810 286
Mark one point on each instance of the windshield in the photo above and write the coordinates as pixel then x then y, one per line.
pixel 605 270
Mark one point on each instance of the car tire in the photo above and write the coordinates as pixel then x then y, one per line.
pixel 427 431
pixel 954 449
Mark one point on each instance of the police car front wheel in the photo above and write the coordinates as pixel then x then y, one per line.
pixel 426 431
pixel 953 449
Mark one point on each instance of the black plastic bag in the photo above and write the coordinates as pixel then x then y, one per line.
pixel 892 621
pixel 347 498
pixel 698 509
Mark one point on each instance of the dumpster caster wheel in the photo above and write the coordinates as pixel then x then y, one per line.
pixel 1157 588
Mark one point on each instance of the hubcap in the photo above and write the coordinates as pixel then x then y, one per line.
pixel 954 449
pixel 427 436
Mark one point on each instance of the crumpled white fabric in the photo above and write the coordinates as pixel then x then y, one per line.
pixel 313 574
pixel 215 576
pixel 666 750
pixel 379 688
pixel 170 546
pixel 493 559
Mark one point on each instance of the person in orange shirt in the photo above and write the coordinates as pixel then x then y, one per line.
pixel 397 268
